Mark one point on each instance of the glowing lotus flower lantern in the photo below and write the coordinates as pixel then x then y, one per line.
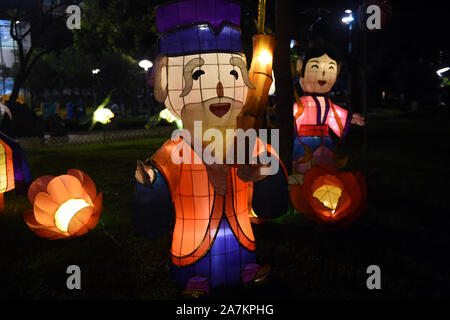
pixel 66 206
pixel 330 197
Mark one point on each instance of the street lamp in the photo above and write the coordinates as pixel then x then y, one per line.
pixel 94 73
pixel 348 20
pixel 146 65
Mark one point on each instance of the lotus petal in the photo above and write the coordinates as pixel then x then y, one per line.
pixel 39 185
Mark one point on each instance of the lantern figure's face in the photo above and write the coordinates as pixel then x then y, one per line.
pixel 319 75
pixel 206 87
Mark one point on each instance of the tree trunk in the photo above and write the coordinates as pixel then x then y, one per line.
pixel 18 83
pixel 284 84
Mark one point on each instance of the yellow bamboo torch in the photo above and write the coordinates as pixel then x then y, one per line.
pixel 260 75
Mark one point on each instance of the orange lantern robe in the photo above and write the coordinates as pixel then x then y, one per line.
pixel 313 123
pixel 203 216
pixel 199 208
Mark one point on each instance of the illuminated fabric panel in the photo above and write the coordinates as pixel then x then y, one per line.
pixel 200 38
pixel 182 13
pixel 6 168
pixel 21 167
pixel 328 195
pixel 312 130
pixel 223 263
pixel 199 210
pixel 195 26
pixel 314 114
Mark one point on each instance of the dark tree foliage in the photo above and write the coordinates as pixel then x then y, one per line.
pixel 118 25
pixel 47 30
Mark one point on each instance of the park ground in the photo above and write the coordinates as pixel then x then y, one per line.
pixel 404 230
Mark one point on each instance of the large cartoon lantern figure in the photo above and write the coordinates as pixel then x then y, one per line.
pixel 315 114
pixel 201 75
pixel 323 193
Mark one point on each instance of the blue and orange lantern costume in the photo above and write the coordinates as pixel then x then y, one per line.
pixel 315 114
pixel 201 75
pixel 320 189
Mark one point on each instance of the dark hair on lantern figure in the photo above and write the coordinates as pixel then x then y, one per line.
pixel 319 42
pixel 318 51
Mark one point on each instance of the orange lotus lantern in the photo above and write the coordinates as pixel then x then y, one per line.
pixel 330 197
pixel 66 206
pixel 6 171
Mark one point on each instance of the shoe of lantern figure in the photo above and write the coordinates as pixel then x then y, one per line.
pixel 201 75
pixel 315 114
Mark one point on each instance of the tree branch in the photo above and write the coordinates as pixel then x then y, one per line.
pixel 33 61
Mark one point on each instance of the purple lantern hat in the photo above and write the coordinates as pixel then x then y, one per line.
pixel 194 26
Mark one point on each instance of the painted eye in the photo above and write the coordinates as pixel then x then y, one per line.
pixel 197 74
pixel 331 68
pixel 235 74
pixel 315 66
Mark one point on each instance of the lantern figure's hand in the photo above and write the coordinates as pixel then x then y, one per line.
pixel 144 173
pixel 218 177
pixel 251 173
pixel 358 119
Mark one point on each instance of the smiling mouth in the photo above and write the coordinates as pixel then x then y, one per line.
pixel 220 109
pixel 322 82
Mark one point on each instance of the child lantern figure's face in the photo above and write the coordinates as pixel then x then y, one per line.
pixel 319 75
pixel 207 87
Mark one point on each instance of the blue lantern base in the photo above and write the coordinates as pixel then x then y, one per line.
pixel 222 265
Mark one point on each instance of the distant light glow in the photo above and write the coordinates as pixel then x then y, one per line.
pixel 95 71
pixel 441 71
pixel 167 115
pixel 145 64
pixel 66 211
pixel 103 115
pixel 292 43
pixel 348 19
pixel 348 11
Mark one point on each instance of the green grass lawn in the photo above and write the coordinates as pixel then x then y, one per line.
pixel 404 230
